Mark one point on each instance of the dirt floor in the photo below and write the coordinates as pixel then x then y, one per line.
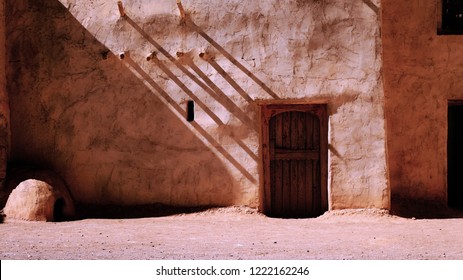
pixel 237 233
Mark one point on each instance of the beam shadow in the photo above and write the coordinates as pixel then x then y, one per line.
pixel 240 115
pixel 229 102
pixel 100 116
pixel 227 77
pixel 181 85
pixel 190 94
pixel 166 98
pixel 240 66
pixel 224 100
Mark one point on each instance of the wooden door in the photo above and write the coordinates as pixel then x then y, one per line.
pixel 295 160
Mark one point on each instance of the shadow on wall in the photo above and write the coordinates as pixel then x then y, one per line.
pixel 411 207
pixel 206 84
pixel 115 137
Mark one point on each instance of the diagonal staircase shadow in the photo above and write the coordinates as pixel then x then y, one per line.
pixel 198 128
pixel 114 134
pixel 190 23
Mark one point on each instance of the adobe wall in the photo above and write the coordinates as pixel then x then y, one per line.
pixel 4 106
pixel 116 129
pixel 421 71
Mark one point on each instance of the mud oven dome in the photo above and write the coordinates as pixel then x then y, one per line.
pixel 270 104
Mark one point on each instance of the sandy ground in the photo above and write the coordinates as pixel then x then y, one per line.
pixel 237 233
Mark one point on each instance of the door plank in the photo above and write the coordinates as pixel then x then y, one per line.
pixel 317 190
pixel 310 179
pixel 302 184
pixel 294 187
pixel 285 154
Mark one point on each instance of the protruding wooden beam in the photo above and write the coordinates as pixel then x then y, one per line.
pixel 206 56
pixel 105 54
pixel 150 56
pixel 121 8
pixel 180 7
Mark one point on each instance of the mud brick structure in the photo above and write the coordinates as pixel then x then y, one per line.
pixel 295 107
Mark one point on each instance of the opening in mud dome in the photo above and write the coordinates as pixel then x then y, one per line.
pixel 455 154
pixel 58 210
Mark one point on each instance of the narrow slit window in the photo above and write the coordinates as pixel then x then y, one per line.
pixel 190 111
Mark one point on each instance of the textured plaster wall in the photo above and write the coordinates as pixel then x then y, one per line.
pixel 4 106
pixel 422 72
pixel 116 130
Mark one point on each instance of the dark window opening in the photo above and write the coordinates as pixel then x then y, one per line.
pixel 455 155
pixel 452 17
pixel 190 111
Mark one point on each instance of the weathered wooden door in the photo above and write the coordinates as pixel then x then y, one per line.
pixel 294 146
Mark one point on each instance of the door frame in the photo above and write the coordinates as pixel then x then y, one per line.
pixel 267 111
